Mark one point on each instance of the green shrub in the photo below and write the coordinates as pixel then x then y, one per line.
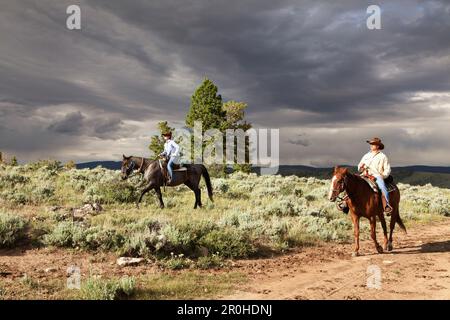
pixel 117 192
pixel 15 197
pixel 176 262
pixel 72 234
pixel 211 261
pixel 99 289
pixel 143 243
pixel 12 229
pixel 220 186
pixel 184 237
pixel 229 242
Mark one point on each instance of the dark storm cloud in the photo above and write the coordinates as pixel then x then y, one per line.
pixel 299 140
pixel 304 55
pixel 76 123
pixel 72 123
pixel 309 64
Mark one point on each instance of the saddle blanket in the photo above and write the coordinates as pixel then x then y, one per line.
pixel 389 185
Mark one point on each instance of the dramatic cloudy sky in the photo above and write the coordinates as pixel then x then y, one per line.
pixel 310 68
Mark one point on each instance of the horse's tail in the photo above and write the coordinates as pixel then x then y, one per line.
pixel 400 223
pixel 399 220
pixel 205 175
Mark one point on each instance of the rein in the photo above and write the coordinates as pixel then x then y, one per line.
pixel 340 200
pixel 132 165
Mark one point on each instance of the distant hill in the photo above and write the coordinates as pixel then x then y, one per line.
pixel 414 175
pixel 112 165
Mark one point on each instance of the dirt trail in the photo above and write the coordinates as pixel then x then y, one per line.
pixel 418 268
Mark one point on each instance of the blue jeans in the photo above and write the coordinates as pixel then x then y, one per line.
pixel 382 185
pixel 169 166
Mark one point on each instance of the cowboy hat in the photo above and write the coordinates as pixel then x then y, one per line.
pixel 167 134
pixel 376 141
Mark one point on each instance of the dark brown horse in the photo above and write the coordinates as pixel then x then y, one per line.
pixel 154 177
pixel 364 202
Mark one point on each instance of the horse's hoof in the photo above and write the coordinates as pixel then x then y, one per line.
pixel 161 207
pixel 380 249
pixel 355 254
pixel 390 247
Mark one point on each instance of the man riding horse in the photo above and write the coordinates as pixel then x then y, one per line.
pixel 171 152
pixel 361 200
pixel 376 164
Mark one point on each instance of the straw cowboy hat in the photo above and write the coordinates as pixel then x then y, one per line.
pixel 376 141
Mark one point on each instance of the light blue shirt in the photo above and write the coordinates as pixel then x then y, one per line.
pixel 171 149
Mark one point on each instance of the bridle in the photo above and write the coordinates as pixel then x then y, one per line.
pixel 342 185
pixel 130 168
pixel 340 200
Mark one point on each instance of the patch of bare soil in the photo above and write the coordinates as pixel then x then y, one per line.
pixel 417 268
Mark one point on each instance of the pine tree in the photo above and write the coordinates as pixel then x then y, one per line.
pixel 234 115
pixel 14 161
pixel 235 112
pixel 206 106
pixel 157 142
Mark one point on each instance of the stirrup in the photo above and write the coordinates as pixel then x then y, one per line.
pixel 388 210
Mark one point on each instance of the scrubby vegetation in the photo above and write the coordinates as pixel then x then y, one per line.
pixel 252 215
pixel 101 289
pixel 11 229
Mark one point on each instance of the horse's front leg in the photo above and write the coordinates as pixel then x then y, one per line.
pixel 355 220
pixel 373 234
pixel 149 187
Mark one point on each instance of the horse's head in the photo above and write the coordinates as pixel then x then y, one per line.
pixel 127 167
pixel 338 183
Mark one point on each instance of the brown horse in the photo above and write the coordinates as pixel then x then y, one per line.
pixel 364 202
pixel 154 177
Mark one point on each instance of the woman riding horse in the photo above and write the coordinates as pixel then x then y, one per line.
pixel 172 152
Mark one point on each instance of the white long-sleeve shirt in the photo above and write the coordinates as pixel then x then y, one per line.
pixel 171 148
pixel 376 163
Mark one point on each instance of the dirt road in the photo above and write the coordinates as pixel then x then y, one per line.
pixel 418 268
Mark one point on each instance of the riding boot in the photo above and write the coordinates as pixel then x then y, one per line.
pixel 343 206
pixel 346 208
pixel 386 206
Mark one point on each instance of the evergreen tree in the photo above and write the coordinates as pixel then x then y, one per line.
pixel 234 115
pixel 235 112
pixel 14 161
pixel 206 106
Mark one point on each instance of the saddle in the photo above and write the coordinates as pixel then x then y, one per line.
pixel 371 181
pixel 176 168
